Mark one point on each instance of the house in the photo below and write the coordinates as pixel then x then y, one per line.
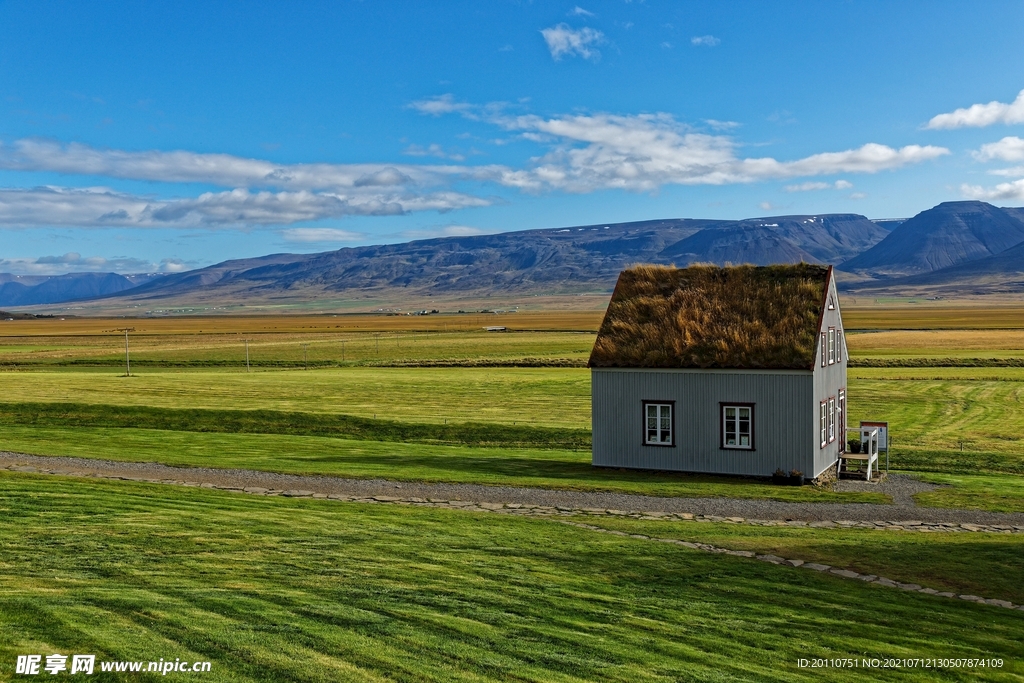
pixel 737 370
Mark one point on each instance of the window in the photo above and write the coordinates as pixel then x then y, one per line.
pixel 831 419
pixel 738 426
pixel 823 423
pixel 841 419
pixel 831 304
pixel 658 423
pixel 823 349
pixel 831 345
pixel 839 345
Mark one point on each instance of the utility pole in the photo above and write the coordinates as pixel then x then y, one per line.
pixel 247 355
pixel 127 358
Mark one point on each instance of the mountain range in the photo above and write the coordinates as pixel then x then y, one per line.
pixel 955 246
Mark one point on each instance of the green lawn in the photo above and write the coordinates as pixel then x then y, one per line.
pixel 545 468
pixel 989 565
pixel 553 397
pixel 272 589
pixel 995 492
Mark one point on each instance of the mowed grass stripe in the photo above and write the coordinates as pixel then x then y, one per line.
pixel 298 424
pixel 283 590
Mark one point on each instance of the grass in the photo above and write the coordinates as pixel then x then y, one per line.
pixel 989 565
pixel 398 461
pixel 552 397
pixel 996 493
pixel 287 590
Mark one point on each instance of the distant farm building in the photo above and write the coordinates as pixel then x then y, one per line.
pixel 737 370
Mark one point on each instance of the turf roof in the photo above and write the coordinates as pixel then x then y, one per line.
pixel 710 317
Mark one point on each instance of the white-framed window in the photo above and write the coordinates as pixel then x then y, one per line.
pixel 831 303
pixel 823 422
pixel 658 423
pixel 839 345
pixel 738 426
pixel 831 419
pixel 841 419
pixel 824 345
pixel 831 345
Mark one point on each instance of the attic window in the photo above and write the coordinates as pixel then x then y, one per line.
pixel 738 426
pixel 658 421
pixel 831 304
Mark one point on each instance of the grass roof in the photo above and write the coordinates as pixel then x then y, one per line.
pixel 710 317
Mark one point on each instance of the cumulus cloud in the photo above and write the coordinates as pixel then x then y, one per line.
pixel 1013 190
pixel 433 150
pixel 644 152
pixel 223 170
pixel 73 262
pixel 981 115
pixel 705 41
pixel 578 11
pixel 564 40
pixel 811 186
pixel 1010 148
pixel 321 235
pixel 103 207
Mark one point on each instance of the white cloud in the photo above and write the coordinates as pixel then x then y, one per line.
pixel 564 40
pixel 644 152
pixel 705 41
pixel 811 186
pixel 858 195
pixel 1011 172
pixel 1013 190
pixel 320 235
pixel 434 150
pixel 981 115
pixel 442 231
pixel 102 207
pixel 722 125
pixel 73 262
pixel 223 170
pixel 766 206
pixel 1010 148
pixel 440 104
pixel 578 11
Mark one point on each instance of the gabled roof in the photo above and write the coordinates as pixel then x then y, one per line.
pixel 710 317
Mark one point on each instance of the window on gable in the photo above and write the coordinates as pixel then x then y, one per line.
pixel 823 422
pixel 738 426
pixel 823 350
pixel 658 421
pixel 831 419
pixel 831 303
pixel 831 345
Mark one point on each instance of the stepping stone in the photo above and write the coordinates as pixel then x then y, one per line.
pixel 255 489
pixel 740 553
pixel 774 559
pixel 392 499
pixel 885 582
pixel 297 493
pixel 794 563
pixel 815 566
pixel 972 598
pixel 946 594
pixel 908 586
pixel 845 573
pixel 999 603
pixel 867 577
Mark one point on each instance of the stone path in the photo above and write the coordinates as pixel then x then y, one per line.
pixel 552 503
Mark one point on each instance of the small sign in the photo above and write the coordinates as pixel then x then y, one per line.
pixel 883 433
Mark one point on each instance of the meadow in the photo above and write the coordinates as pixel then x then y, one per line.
pixel 276 589
pixel 273 589
pixel 409 398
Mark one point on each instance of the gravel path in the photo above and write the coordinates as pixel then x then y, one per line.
pixel 901 487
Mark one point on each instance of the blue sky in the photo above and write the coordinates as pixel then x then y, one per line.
pixel 169 136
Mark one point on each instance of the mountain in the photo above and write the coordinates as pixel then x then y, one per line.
pixel 946 235
pixel 1000 273
pixel 781 239
pixel 552 261
pixel 27 290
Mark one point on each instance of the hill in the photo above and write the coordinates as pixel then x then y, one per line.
pixel 27 290
pixel 946 235
pixel 552 261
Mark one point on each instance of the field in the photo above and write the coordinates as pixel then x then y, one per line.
pixel 280 589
